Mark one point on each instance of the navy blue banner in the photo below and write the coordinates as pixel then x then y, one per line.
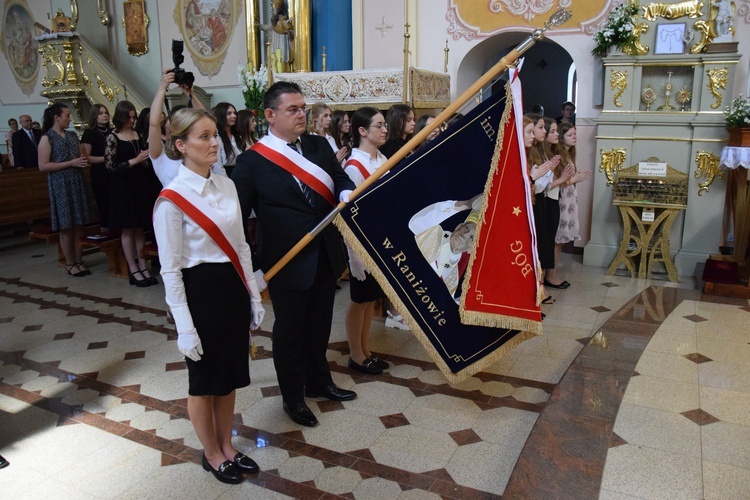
pixel 414 229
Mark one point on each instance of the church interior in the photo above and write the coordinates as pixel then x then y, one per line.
pixel 637 388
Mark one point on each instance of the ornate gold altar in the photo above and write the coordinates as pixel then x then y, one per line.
pixel 645 239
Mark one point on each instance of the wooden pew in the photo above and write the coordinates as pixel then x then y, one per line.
pixel 24 196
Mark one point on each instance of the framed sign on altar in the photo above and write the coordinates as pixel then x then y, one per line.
pixel 670 39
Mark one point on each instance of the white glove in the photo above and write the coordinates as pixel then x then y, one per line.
pixel 189 344
pixel 356 266
pixel 258 313
pixel 262 285
pixel 344 196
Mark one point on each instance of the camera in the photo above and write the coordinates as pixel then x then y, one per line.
pixel 181 77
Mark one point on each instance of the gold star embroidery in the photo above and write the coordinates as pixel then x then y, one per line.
pixel 516 211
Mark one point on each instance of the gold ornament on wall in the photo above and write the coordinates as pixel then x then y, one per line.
pixel 618 80
pixel 691 9
pixel 611 162
pixel 717 79
pixel 706 167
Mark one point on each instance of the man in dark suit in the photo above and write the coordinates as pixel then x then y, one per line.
pixel 292 180
pixel 25 141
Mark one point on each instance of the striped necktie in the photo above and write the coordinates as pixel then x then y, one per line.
pixel 304 187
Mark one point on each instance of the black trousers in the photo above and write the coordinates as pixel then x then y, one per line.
pixel 301 331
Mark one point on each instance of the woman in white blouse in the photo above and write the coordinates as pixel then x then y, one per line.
pixel 368 131
pixel 210 288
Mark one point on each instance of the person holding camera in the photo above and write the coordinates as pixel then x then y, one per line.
pixel 159 128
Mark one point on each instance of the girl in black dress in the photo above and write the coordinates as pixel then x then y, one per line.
pixel 131 200
pixel 93 144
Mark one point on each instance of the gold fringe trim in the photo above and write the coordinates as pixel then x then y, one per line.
pixel 492 320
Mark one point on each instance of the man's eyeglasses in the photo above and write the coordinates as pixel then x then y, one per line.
pixel 294 110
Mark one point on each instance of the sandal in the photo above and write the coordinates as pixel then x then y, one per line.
pixel 84 272
pixel 548 300
pixel 69 268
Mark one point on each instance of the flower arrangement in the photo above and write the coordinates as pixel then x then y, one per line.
pixel 738 113
pixel 617 31
pixel 253 84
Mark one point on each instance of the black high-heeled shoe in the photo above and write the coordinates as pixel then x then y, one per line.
pixel 84 272
pixel 151 279
pixel 141 283
pixel 77 274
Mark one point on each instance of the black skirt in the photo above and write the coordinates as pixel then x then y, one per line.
pixel 364 291
pixel 220 306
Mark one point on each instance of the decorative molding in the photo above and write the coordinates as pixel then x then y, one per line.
pixel 706 167
pixel 611 162
pixel 456 28
pixel 381 88
pixel 743 11
pixel 73 15
pixel 717 79
pixel 618 80
pixel 101 9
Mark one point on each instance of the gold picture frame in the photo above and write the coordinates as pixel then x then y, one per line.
pixel 135 23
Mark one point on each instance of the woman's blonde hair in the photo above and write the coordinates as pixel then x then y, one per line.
pixel 316 110
pixel 182 121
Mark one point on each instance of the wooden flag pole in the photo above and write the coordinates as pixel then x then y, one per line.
pixel 559 17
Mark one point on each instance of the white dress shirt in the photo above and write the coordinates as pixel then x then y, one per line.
pixel 370 163
pixel 184 244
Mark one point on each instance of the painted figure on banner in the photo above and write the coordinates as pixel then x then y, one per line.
pixel 447 251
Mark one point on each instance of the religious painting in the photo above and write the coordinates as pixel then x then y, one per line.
pixel 19 46
pixel 472 19
pixel 135 22
pixel 207 27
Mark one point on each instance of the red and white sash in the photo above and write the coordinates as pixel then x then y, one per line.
pixel 209 219
pixel 276 151
pixel 358 165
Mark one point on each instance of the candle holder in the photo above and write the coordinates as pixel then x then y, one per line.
pixel 667 93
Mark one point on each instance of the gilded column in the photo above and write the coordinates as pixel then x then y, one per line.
pixel 251 29
pixel 302 31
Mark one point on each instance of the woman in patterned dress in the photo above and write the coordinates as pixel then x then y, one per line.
pixel 70 203
pixel 568 230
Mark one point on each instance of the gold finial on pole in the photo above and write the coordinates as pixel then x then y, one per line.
pixel 446 50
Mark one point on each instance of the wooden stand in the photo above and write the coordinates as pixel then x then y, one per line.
pixel 651 239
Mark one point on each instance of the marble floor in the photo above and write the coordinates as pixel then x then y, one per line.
pixel 637 389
